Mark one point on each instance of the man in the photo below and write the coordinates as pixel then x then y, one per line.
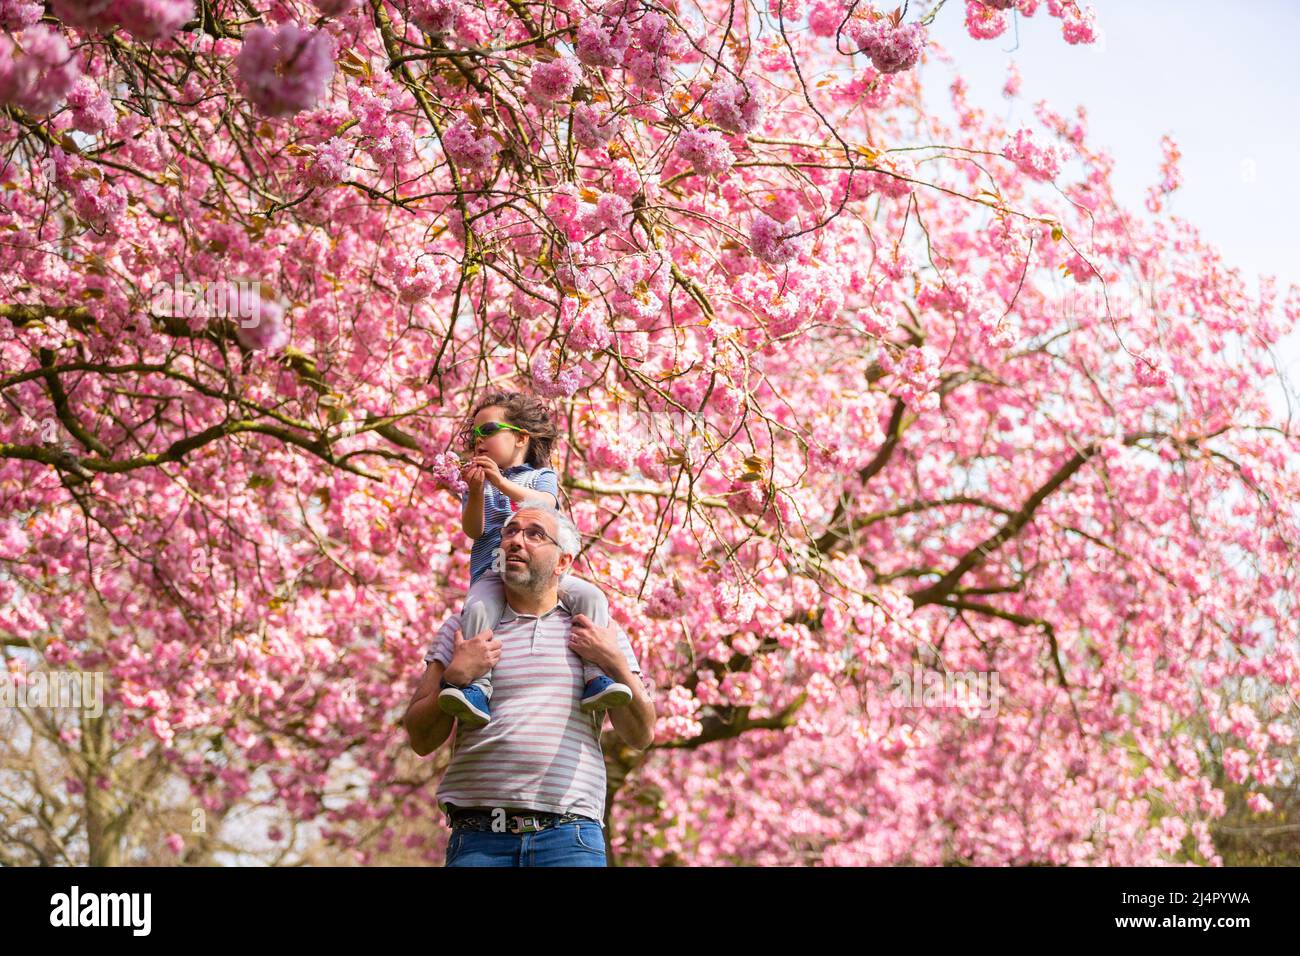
pixel 528 789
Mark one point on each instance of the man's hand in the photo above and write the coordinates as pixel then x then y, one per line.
pixel 635 723
pixel 473 658
pixel 596 644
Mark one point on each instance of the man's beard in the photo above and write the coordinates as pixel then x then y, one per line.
pixel 531 577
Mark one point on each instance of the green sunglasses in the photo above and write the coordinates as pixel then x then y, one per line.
pixel 488 429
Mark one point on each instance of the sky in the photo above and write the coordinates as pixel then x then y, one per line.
pixel 1222 79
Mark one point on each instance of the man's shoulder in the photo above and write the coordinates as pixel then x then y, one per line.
pixel 443 641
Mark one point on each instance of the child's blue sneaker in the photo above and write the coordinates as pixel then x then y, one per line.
pixel 469 704
pixel 602 692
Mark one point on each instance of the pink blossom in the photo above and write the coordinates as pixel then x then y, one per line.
pixel 656 35
pixel 1172 177
pixel 916 374
pixel 467 149
pixel 892 49
pixel 393 146
pixel 597 44
pixel 1150 373
pixel 771 241
pixel 659 46
pixel 1267 771
pixel 92 107
pixel 99 202
pixel 825 17
pixel 665 602
pixel 1011 87
pixel 331 163
pixel 1080 269
pixel 1080 28
pixel 563 208
pixel 266 329
pixel 592 127
pixel 552 385
pixel 984 21
pixel 175 842
pixel 332 8
pixel 648 69
pixel 415 280
pixel 587 328
pixel 37 71
pixel 17 15
pixel 1259 803
pixel 626 180
pixel 553 80
pixel 706 150
pixel 88 14
pixel 145 19
pixel 434 17
pixel 445 467
pixel 154 19
pixel 1236 764
pixel 1034 160
pixel 733 105
pixel 611 211
pixel 286 70
pixel 892 178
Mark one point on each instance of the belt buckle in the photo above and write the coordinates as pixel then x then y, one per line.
pixel 525 823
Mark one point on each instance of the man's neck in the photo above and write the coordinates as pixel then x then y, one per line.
pixel 532 604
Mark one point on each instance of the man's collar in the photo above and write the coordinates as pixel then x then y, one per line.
pixel 509 614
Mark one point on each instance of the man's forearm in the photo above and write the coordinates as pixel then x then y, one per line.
pixel 427 725
pixel 635 723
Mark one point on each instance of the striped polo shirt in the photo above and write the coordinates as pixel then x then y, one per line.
pixel 539 751
pixel 499 506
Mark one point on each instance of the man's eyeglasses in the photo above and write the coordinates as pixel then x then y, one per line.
pixel 532 534
pixel 488 429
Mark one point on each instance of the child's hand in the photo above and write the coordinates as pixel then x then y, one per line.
pixel 473 474
pixel 490 470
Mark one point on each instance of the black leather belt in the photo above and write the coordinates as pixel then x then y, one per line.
pixel 515 821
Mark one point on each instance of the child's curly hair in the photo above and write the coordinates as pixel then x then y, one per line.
pixel 524 411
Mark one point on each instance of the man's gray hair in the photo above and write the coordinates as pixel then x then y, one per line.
pixel 566 532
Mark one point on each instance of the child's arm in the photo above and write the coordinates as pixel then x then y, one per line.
pixel 471 511
pixel 520 493
pixel 545 487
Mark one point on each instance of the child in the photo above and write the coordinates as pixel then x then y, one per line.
pixel 514 432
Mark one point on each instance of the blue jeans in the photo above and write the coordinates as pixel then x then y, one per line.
pixel 578 843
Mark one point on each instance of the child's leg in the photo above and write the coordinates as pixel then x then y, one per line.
pixel 484 604
pixel 583 597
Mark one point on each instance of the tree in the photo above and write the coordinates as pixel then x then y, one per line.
pixel 846 395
